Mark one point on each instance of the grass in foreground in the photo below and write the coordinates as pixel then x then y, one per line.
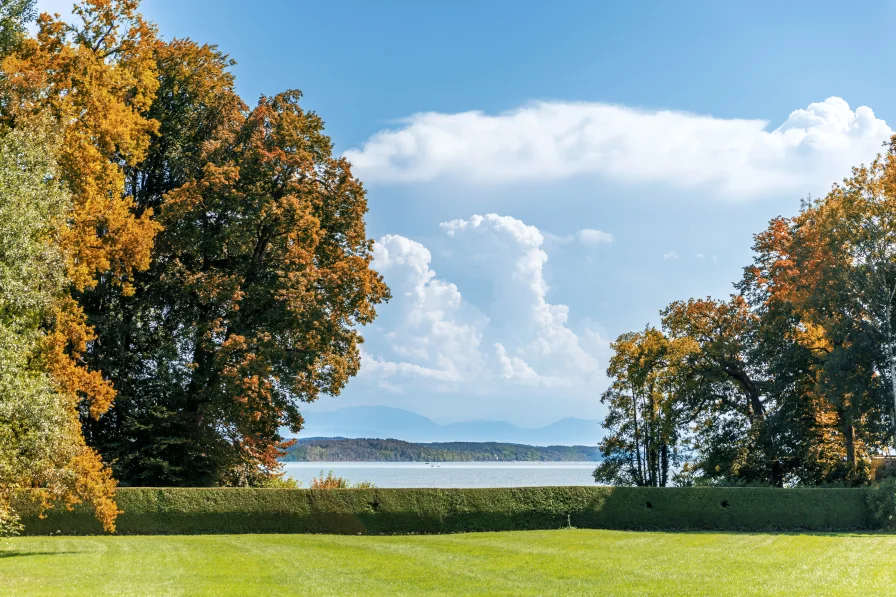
pixel 564 562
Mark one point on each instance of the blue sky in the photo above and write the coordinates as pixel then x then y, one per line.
pixel 545 176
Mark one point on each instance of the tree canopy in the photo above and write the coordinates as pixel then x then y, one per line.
pixel 179 271
pixel 793 379
pixel 41 445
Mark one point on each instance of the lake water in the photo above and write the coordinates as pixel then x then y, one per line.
pixel 449 474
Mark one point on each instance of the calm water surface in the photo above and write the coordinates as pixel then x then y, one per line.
pixel 449 474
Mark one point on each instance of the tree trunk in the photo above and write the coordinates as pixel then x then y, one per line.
pixel 892 366
pixel 849 440
pixel 640 478
pixel 651 433
pixel 664 459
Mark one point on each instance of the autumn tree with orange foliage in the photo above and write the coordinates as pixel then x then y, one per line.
pixel 92 82
pixel 818 341
pixel 216 260
pixel 41 446
pixel 794 378
pixel 260 276
pixel 95 81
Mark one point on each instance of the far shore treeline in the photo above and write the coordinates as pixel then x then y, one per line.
pixel 179 270
pixel 330 449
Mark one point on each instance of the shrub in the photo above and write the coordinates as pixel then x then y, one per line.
pixel 404 511
pixel 10 524
pixel 882 503
pixel 329 482
pixel 279 482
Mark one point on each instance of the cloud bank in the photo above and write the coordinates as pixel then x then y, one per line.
pixel 557 140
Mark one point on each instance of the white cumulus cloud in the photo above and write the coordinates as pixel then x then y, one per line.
pixel 436 335
pixel 813 148
pixel 545 350
pixel 433 338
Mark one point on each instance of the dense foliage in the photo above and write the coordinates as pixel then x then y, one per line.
pixel 417 511
pixel 259 279
pixel 393 450
pixel 40 438
pixel 178 271
pixel 882 503
pixel 792 380
pixel 13 16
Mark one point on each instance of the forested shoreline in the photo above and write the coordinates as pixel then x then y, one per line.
pixel 392 450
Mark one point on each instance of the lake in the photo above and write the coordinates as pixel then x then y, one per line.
pixel 449 474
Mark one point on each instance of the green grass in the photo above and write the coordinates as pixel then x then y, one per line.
pixel 563 562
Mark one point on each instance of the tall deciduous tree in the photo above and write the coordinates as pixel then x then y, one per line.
pixel 803 287
pixel 726 387
pixel 857 221
pixel 41 446
pixel 95 80
pixel 792 350
pixel 141 334
pixel 259 280
pixel 644 419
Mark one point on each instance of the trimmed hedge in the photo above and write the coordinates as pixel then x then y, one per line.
pixel 412 511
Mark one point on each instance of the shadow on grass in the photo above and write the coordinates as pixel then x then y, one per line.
pixel 25 554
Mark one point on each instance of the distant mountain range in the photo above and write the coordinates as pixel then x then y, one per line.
pixel 385 422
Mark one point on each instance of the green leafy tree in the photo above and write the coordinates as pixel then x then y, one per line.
pixel 147 433
pixel 41 446
pixel 14 15
pixel 857 221
pixel 726 390
pixel 820 335
pixel 786 343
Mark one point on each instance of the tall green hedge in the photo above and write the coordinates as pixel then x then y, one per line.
pixel 409 511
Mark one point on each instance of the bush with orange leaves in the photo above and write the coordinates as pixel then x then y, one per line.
pixel 329 482
pixel 332 482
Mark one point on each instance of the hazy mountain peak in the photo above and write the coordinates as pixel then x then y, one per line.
pixel 386 422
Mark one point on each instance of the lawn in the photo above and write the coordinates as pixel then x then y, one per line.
pixel 563 562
